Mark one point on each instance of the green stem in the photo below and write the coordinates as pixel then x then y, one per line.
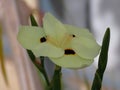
pixel 56 81
pixel 39 66
pixel 44 71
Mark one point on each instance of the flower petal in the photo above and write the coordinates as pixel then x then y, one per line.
pixel 47 49
pixel 78 32
pixel 85 47
pixel 30 36
pixel 72 61
pixel 53 28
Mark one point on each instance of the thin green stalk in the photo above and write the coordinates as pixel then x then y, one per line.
pixel 39 66
pixel 44 71
pixel 56 81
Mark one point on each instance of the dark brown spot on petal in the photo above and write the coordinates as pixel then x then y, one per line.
pixel 69 52
pixel 43 39
pixel 73 35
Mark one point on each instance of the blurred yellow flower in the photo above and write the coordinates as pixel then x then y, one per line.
pixel 66 45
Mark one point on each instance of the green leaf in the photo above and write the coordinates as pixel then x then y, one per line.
pixel 33 21
pixel 2 63
pixel 31 55
pixel 97 83
pixel 56 80
pixel 42 78
pixel 43 70
pixel 40 66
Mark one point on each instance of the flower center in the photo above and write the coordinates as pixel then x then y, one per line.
pixel 66 41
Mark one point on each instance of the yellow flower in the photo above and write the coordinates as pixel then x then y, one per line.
pixel 66 45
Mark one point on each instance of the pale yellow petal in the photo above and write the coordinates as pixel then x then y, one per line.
pixel 29 36
pixel 47 49
pixel 78 32
pixel 72 61
pixel 85 47
pixel 54 28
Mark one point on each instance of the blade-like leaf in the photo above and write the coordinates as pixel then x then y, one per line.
pixel 102 62
pixel 56 80
pixel 33 21
pixel 42 79
pixel 2 58
pixel 31 55
pixel 40 66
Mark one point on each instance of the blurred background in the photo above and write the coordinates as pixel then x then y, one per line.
pixel 96 15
